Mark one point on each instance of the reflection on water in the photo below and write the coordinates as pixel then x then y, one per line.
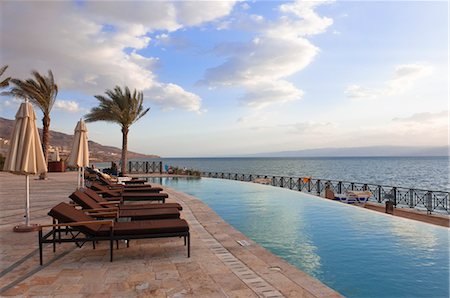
pixel 352 250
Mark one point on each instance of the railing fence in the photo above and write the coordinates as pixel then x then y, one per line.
pixel 431 201
pixel 141 167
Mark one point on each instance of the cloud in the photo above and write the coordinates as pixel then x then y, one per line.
pixel 425 117
pixel 264 93
pixel 356 91
pixel 310 127
pixel 279 49
pixel 405 77
pixel 171 96
pixel 159 15
pixel 94 45
pixel 67 106
pixel 10 103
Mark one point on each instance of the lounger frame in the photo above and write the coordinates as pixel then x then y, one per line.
pixel 54 236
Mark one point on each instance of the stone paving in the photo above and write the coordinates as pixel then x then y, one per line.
pixel 218 267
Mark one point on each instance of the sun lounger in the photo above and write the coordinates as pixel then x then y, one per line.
pixel 102 201
pixel 134 181
pixel 97 210
pixel 140 188
pixel 130 196
pixel 67 218
pixel 100 187
pixel 359 196
pixel 352 197
pixel 110 183
pixel 349 197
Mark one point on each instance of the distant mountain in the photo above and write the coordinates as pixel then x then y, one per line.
pixel 360 152
pixel 64 141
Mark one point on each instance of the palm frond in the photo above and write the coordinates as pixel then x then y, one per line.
pixel 40 90
pixel 119 105
pixel 5 82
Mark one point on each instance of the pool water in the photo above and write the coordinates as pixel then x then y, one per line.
pixel 357 252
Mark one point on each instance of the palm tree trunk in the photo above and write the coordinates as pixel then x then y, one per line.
pixel 124 150
pixel 45 140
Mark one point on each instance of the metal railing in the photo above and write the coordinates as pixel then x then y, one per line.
pixel 140 167
pixel 431 201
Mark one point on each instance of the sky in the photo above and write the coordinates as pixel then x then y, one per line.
pixel 224 78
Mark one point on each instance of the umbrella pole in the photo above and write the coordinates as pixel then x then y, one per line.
pixel 27 227
pixel 78 178
pixel 27 207
pixel 82 177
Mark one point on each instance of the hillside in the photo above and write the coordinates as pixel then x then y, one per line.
pixel 62 141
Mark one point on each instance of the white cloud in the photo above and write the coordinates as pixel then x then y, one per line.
pixel 264 93
pixel 94 45
pixel 311 127
pixel 280 49
pixel 245 6
pixel 308 22
pixel 67 106
pixel 171 96
pixel 424 117
pixel 10 103
pixel 356 91
pixel 405 77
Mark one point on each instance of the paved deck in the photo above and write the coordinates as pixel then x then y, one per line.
pixel 218 266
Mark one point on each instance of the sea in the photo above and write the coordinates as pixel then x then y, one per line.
pixel 429 173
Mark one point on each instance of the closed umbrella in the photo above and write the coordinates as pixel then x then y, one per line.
pixel 25 156
pixel 79 156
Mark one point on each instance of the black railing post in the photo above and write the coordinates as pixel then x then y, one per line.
pixel 129 167
pixel 299 185
pixel 411 198
pixel 318 187
pixel 309 185
pixel 281 181
pixel 160 167
pixel 352 186
pixel 340 187
pixel 365 187
pixel 429 202
pixel 379 193
pixel 394 189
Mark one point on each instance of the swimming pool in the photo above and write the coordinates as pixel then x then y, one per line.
pixel 357 252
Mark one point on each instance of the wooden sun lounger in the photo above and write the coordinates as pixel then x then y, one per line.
pixel 102 201
pixel 86 202
pixel 82 228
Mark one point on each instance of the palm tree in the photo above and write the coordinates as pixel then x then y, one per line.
pixel 40 91
pixel 5 82
pixel 120 107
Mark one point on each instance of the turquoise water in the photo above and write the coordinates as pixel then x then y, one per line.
pixel 357 252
